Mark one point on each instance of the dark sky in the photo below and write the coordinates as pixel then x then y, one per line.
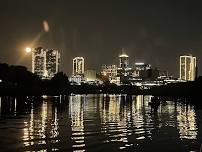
pixel 151 31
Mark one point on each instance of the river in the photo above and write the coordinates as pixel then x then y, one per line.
pixel 98 123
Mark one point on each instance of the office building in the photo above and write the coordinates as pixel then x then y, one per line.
pixel 123 61
pixel 109 73
pixel 78 66
pixel 76 79
pixel 39 61
pixel 45 63
pixel 141 71
pixel 144 72
pixel 52 62
pixel 109 70
pixel 124 71
pixel 90 76
pixel 187 67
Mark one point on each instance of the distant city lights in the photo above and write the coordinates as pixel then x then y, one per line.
pixel 140 63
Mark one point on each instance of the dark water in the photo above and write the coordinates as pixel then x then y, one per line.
pixel 98 123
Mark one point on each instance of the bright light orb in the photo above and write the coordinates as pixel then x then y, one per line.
pixel 28 50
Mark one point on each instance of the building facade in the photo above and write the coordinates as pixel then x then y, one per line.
pixel 45 63
pixel 123 61
pixel 78 66
pixel 52 62
pixel 187 67
pixel 90 76
pixel 109 73
pixel 124 71
pixel 76 79
pixel 141 71
pixel 39 61
pixel 109 70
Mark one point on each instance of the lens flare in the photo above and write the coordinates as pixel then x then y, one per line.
pixel 45 26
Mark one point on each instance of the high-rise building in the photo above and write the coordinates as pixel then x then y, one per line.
pixel 78 66
pixel 124 71
pixel 38 61
pixel 123 61
pixel 52 62
pixel 141 70
pixel 109 70
pixel 45 63
pixel 187 67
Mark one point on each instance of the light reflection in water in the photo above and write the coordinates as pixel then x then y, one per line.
pixel 15 106
pixel 76 114
pixel 103 122
pixel 114 119
pixel 0 106
pixel 42 128
pixel 186 122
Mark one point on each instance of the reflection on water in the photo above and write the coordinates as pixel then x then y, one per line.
pixel 0 106
pixel 186 122
pixel 98 123
pixel 76 114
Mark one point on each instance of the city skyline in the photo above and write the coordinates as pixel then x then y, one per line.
pixel 151 32
pixel 45 63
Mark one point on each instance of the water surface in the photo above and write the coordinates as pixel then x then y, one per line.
pixel 98 123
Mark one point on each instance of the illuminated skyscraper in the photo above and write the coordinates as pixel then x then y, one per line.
pixel 52 62
pixel 187 67
pixel 39 61
pixel 123 61
pixel 124 71
pixel 45 63
pixel 78 66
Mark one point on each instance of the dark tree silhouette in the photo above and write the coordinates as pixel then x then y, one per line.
pixel 59 80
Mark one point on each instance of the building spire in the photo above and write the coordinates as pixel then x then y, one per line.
pixel 123 53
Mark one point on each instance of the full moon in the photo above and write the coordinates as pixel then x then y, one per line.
pixel 28 50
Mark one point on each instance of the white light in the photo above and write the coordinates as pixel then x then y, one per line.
pixel 28 50
pixel 123 56
pixel 139 63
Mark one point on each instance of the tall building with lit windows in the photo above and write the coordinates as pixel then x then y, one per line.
pixel 187 67
pixel 52 62
pixel 109 70
pixel 123 61
pixel 39 61
pixel 78 66
pixel 45 62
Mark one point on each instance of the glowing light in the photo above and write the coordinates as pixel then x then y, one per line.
pixel 45 26
pixel 123 56
pixel 28 50
pixel 139 63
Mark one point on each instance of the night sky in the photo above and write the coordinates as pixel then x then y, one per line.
pixel 155 32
